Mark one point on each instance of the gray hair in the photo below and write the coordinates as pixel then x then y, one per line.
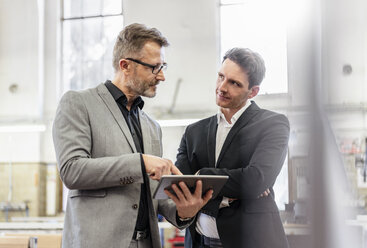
pixel 131 40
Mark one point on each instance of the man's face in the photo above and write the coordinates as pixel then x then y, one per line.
pixel 232 90
pixel 143 82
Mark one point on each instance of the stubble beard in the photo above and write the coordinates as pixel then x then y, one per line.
pixel 142 88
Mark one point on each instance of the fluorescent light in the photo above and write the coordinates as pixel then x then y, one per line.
pixel 23 128
pixel 177 122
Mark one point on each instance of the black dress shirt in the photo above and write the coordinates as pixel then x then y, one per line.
pixel 133 122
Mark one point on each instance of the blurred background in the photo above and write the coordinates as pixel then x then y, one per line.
pixel 316 57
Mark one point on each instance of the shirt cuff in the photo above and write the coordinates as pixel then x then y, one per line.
pixel 183 220
pixel 224 203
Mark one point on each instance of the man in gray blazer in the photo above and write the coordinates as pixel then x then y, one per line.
pixel 109 153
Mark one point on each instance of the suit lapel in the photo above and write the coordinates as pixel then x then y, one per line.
pixel 148 149
pixel 145 132
pixel 249 113
pixel 116 113
pixel 212 131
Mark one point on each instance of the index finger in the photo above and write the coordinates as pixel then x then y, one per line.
pixel 175 170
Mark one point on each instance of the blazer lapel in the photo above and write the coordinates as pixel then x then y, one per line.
pixel 249 113
pixel 116 113
pixel 145 131
pixel 212 131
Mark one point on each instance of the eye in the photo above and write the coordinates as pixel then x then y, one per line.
pixel 220 77
pixel 235 83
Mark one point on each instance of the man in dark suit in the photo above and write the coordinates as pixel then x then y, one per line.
pixel 247 143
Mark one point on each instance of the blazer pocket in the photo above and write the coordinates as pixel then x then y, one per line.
pixel 100 193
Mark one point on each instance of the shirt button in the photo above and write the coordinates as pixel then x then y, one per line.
pixel 135 206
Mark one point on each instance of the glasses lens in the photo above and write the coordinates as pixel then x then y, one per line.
pixel 160 67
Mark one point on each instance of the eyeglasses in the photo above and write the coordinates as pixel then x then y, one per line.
pixel 155 68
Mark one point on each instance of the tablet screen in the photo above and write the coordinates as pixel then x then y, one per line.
pixel 209 182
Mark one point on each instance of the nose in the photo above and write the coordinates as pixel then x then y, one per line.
pixel 222 86
pixel 160 76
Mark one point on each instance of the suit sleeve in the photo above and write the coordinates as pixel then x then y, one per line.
pixel 167 207
pixel 182 160
pixel 73 143
pixel 249 181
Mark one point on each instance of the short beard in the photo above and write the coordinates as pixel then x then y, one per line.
pixel 141 87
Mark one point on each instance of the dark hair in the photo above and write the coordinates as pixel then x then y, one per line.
pixel 131 40
pixel 250 62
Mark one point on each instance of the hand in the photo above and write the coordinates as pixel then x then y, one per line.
pixel 187 204
pixel 265 193
pixel 156 167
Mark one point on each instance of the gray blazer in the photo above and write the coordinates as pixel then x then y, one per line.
pixel 98 162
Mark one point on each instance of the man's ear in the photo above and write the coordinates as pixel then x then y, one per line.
pixel 254 90
pixel 124 65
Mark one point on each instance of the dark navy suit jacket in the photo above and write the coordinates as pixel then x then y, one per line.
pixel 252 156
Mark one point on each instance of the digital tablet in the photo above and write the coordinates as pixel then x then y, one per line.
pixel 209 182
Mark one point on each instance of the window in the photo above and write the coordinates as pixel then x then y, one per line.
pixel 261 26
pixel 89 30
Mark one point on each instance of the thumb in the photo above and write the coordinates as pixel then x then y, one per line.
pixel 208 195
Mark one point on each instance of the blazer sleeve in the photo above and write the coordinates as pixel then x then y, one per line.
pixel 182 160
pixel 73 143
pixel 167 208
pixel 249 181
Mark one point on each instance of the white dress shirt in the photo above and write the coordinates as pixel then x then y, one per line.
pixel 206 225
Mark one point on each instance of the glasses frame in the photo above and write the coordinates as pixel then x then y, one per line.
pixel 153 67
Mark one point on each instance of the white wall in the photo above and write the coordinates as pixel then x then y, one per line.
pixel 345 43
pixel 19 59
pixel 191 27
pixel 19 64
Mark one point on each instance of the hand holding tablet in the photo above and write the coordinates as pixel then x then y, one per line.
pixel 208 182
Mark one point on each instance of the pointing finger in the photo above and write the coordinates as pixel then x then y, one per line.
pixel 175 170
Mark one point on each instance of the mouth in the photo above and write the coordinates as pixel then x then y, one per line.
pixel 153 84
pixel 222 97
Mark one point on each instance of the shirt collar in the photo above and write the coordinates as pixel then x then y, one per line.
pixel 235 117
pixel 121 98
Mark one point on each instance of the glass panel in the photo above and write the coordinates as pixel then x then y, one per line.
pixel 92 7
pixel 111 7
pixel 112 27
pixel 259 25
pixel 87 51
pixel 93 42
pixel 72 40
pixel 72 53
pixel 92 73
pixel 72 8
pixel 281 187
